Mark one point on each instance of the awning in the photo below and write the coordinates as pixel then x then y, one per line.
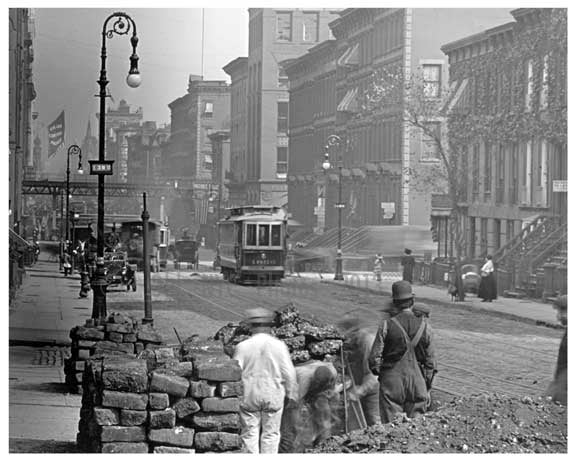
pixel 372 167
pixel 456 91
pixel 18 242
pixel 350 57
pixel 349 103
pixel 358 173
pixel 333 177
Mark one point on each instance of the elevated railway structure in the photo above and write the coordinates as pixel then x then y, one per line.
pixel 89 187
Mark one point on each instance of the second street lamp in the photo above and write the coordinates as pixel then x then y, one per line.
pixel 335 142
pixel 116 24
pixel 72 150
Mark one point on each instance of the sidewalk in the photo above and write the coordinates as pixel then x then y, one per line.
pixel 45 309
pixel 526 310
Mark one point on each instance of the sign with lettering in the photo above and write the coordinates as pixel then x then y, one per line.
pixel 101 167
pixel 560 185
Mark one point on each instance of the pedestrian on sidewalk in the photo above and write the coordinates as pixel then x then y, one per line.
pixel 378 266
pixel 558 388
pixel 268 377
pixel 67 265
pixel 403 357
pixel 357 348
pixel 408 262
pixel 487 289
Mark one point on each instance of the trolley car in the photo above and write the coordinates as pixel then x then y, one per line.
pixel 252 244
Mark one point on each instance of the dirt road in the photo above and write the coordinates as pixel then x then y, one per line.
pixel 477 352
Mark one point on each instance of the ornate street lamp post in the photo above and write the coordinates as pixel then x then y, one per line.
pixel 335 142
pixel 120 24
pixel 72 150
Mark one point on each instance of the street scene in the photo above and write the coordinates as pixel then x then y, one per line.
pixel 337 230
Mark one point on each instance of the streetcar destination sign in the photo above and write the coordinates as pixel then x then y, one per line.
pixel 101 166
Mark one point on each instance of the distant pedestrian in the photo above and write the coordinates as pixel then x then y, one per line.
pixel 487 289
pixel 268 377
pixel 378 266
pixel 67 265
pixel 408 263
pixel 403 357
pixel 558 388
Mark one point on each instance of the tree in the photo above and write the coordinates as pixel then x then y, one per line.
pixel 514 93
pixel 428 116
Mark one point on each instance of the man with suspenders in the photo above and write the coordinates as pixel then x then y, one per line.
pixel 402 357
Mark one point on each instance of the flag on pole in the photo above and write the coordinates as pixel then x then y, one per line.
pixel 55 134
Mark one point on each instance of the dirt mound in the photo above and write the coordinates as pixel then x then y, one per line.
pixel 478 424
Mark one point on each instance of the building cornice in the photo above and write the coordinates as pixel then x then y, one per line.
pixel 236 66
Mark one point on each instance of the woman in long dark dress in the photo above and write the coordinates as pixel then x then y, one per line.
pixel 487 289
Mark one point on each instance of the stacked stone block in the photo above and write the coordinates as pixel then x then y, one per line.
pixel 164 400
pixel 306 337
pixel 117 335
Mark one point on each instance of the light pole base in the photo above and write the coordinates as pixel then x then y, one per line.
pixel 148 321
pixel 99 286
pixel 339 275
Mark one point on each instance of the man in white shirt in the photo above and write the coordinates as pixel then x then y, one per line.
pixel 269 377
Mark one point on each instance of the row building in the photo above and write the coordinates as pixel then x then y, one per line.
pixel 378 151
pixel 514 78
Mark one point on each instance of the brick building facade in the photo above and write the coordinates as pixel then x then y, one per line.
pixel 519 168
pixel 187 156
pixel 327 85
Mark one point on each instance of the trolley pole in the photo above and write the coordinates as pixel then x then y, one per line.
pixel 146 263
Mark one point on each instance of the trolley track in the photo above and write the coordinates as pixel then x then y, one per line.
pixel 469 362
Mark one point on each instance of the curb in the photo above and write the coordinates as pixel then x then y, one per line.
pixel 505 315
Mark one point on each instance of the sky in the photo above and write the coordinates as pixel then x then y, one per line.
pixel 67 46
pixel 67 63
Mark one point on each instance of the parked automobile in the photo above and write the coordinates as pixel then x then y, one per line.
pixel 186 251
pixel 471 278
pixel 118 271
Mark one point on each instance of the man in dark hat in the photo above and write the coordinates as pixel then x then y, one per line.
pixel 408 263
pixel 403 357
pixel 558 388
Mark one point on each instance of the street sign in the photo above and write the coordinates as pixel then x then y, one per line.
pixel 101 167
pixel 560 185
pixel 339 205
pixel 388 209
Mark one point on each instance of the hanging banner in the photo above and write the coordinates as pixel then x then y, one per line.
pixel 55 134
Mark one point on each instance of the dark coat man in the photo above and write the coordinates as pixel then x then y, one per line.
pixel 403 358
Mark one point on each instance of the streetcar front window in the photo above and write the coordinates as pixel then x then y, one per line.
pixel 251 235
pixel 263 235
pixel 276 233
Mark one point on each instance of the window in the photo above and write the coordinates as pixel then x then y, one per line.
pixel 281 161
pixel 283 116
pixel 475 170
pixel 207 161
pixel 263 235
pixel 251 235
pixel 284 26
pixel 430 152
pixel 208 110
pixel 310 27
pixel 282 78
pixel 276 235
pixel 529 84
pixel 487 169
pixel 431 75
pixel 545 83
